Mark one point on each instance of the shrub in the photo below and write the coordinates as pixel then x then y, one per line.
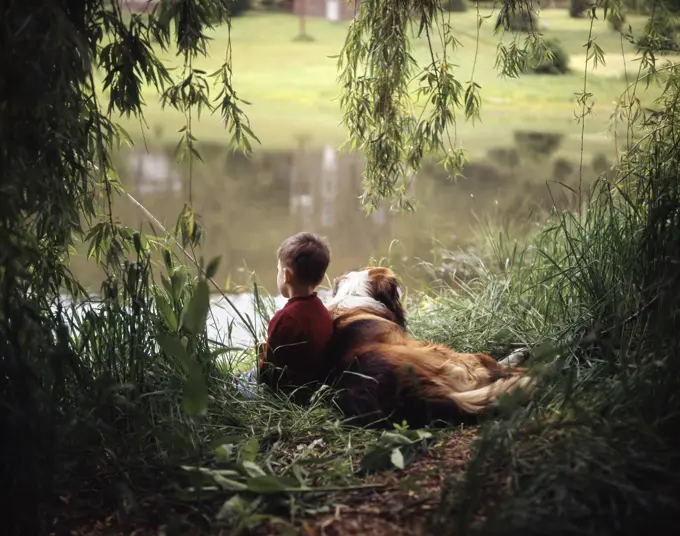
pixel 238 7
pixel 456 6
pixel 503 157
pixel 578 8
pixel 608 277
pixel 268 5
pixel 562 169
pixel 523 21
pixel 537 143
pixel 600 163
pixel 558 64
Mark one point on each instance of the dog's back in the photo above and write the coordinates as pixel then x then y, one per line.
pixel 384 374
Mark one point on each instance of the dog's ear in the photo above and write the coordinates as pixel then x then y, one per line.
pixel 388 292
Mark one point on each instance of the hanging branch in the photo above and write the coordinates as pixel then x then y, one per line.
pixel 393 125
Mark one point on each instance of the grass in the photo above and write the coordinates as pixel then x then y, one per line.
pixel 293 86
pixel 596 452
pixel 593 293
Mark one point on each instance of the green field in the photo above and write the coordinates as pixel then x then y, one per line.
pixel 293 85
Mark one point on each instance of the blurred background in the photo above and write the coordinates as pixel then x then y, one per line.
pixel 526 148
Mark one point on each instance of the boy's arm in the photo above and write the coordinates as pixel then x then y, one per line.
pixel 278 353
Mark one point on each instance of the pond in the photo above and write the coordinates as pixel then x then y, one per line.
pixel 249 204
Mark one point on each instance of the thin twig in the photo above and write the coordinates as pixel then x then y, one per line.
pixel 193 259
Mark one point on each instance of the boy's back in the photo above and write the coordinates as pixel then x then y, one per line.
pixel 297 341
pixel 299 334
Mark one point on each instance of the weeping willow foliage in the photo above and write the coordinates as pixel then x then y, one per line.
pixel 397 111
pixel 57 183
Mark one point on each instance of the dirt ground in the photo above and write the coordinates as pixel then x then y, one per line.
pixel 399 505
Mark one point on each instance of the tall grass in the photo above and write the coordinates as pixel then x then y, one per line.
pixel 149 413
pixel 596 294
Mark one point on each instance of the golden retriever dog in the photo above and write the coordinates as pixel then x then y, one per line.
pixel 386 376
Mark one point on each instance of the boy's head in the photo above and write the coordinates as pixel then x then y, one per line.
pixel 302 262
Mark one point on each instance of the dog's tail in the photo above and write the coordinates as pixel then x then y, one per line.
pixel 478 400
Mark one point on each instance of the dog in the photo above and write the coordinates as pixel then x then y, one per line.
pixel 384 375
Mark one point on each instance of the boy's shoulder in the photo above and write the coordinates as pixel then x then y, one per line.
pixel 300 306
pixel 312 300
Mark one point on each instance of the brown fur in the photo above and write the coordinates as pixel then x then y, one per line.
pixel 385 374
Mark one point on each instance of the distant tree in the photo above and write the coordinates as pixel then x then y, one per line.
pixel 301 8
pixel 557 63
pixel 456 6
pixel 238 7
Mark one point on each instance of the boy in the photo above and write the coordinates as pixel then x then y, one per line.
pixel 298 334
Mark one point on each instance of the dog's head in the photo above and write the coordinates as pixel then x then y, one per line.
pixel 372 288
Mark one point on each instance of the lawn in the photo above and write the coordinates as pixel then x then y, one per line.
pixel 293 85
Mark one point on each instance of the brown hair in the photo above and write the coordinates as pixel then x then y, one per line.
pixel 307 255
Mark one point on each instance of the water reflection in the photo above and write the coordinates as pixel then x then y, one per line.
pixel 248 205
pixel 152 173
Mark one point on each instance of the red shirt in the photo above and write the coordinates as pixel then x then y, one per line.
pixel 297 339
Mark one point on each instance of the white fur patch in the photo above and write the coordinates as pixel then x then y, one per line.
pixel 354 284
pixel 355 302
pixel 355 291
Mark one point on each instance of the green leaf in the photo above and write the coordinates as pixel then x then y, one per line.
pixel 249 450
pixel 271 484
pixel 224 350
pixel 266 484
pixel 167 259
pixel 166 312
pixel 228 483
pixel 211 270
pixel 297 471
pixel 224 453
pixel 195 397
pixel 375 459
pixel 225 440
pixel 397 458
pixel 196 311
pixel 394 439
pixel 416 435
pixel 252 469
pixel 234 509
pixel 179 279
pixel 172 346
pixel 168 286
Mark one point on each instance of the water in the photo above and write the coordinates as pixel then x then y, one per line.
pixel 222 315
pixel 249 205
pixel 223 324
